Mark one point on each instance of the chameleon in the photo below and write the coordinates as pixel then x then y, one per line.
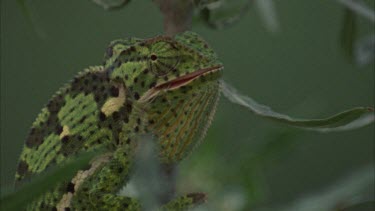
pixel 164 86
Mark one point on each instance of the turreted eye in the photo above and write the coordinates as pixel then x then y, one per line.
pixel 164 58
pixel 153 57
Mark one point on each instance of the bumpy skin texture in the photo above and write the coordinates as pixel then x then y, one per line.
pixel 164 86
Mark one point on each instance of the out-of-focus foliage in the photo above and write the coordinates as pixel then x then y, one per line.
pixel 17 200
pixel 111 4
pixel 354 190
pixel 347 120
pixel 364 50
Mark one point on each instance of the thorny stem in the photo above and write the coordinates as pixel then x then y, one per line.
pixel 177 18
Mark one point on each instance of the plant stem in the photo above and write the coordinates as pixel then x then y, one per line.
pixel 177 18
pixel 177 15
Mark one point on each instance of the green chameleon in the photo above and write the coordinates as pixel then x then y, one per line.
pixel 164 86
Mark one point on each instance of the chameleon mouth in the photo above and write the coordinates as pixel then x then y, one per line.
pixel 178 82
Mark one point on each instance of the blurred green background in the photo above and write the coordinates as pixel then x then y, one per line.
pixel 244 161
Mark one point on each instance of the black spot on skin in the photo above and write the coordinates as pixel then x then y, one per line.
pixel 128 141
pixel 65 139
pixel 145 71
pixel 138 121
pixel 114 91
pixel 59 129
pixel 117 63
pixel 109 52
pixel 152 84
pixel 135 79
pixel 165 78
pixel 126 77
pixel 35 138
pixel 70 187
pixel 102 116
pixel 129 107
pixel 136 95
pixel 116 115
pixel 136 129
pixel 153 57
pixel 151 121
pixel 82 119
pixel 66 209
pixel 120 170
pixel 94 77
pixel 22 168
pixel 126 119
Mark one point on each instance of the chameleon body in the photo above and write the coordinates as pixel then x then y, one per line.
pixel 166 86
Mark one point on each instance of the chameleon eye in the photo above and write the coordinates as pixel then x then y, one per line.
pixel 161 66
pixel 153 57
pixel 164 58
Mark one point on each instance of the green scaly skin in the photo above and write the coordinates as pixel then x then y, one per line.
pixel 164 86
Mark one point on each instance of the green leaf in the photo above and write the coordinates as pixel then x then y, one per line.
pixel 348 33
pixel 30 19
pixel 365 50
pixel 19 199
pixel 268 14
pixel 346 120
pixel 222 14
pixel 111 4
pixel 147 183
pixel 352 190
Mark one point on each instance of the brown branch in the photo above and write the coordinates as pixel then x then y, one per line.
pixel 177 15
pixel 177 18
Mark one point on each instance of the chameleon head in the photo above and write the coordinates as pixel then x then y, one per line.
pixel 175 80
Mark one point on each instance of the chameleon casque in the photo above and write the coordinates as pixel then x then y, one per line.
pixel 166 86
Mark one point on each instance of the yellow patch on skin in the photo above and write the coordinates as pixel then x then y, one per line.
pixel 64 132
pixel 114 103
pixel 79 178
pixel 64 202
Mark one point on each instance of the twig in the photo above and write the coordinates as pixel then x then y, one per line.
pixel 359 8
pixel 177 15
